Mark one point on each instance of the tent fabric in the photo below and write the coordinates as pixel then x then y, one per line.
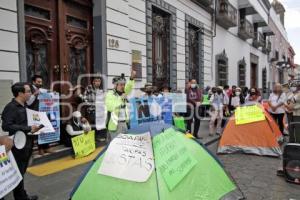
pixel 206 181
pixel 260 138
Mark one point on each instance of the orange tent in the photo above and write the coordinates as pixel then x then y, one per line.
pixel 254 138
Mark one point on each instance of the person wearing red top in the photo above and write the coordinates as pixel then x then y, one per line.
pixel 194 99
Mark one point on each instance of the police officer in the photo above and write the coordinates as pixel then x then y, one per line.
pixel 116 105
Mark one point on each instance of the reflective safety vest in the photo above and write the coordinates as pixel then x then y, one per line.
pixel 114 103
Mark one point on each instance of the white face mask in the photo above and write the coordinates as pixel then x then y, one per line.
pixel 193 85
pixel 237 93
pixel 293 89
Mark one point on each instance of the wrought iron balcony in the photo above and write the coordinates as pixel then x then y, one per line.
pixel 259 40
pixel 246 30
pixel 267 48
pixel 226 14
pixel 204 3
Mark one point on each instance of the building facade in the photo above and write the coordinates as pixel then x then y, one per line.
pixel 234 42
pixel 250 43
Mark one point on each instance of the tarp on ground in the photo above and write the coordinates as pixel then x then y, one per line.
pixel 259 137
pixel 202 178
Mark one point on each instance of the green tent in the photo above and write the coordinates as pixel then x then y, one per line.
pixel 184 169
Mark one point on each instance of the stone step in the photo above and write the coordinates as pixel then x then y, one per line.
pixel 59 151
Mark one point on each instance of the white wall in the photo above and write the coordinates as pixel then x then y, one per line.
pixel 9 65
pixel 126 21
pixel 9 57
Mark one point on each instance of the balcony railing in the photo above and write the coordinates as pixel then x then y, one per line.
pixel 246 30
pixel 259 40
pixel 226 14
pixel 204 3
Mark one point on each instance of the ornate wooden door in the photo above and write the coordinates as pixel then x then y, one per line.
pixel 75 33
pixel 59 40
pixel 42 56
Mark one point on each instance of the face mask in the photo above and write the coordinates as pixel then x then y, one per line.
pixel 237 93
pixel 219 91
pixel 252 93
pixel 193 85
pixel 293 89
pixel 214 92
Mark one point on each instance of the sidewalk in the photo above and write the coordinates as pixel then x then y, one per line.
pixel 204 133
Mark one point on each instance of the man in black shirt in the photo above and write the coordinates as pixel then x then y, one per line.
pixel 33 103
pixel 14 118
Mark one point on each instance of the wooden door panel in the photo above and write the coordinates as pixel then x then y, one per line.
pixel 77 31
pixel 41 40
pixel 59 42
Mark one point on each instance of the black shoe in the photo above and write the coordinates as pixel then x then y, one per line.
pixel 33 197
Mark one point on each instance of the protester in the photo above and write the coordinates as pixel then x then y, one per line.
pixel 14 118
pixel 148 90
pixel 218 105
pixel 276 102
pixel 76 97
pixel 166 89
pixel 294 108
pixel 236 99
pixel 245 91
pixel 89 97
pixel 227 90
pixel 76 126
pixel 116 105
pixel 253 96
pixel 7 142
pixel 207 89
pixel 34 104
pixel 194 100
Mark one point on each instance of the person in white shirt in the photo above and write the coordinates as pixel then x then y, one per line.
pixel 253 97
pixel 236 99
pixel 218 101
pixel 276 102
pixel 77 126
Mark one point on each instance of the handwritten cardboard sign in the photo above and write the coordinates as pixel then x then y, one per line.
pixel 172 158
pixel 84 144
pixel 248 114
pixel 10 175
pixel 129 157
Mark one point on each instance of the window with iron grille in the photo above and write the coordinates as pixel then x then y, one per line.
pixel 264 80
pixel 222 69
pixel 242 73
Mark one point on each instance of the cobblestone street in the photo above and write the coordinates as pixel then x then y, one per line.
pixel 255 175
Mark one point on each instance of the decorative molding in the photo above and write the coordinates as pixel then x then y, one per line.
pixel 37 35
pixel 242 62
pixel 223 57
